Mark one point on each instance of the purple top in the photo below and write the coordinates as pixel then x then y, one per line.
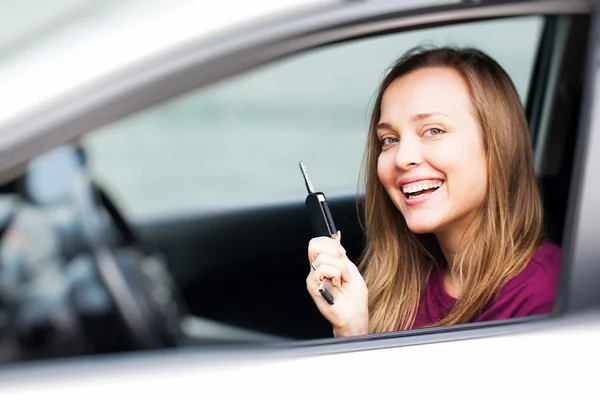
pixel 529 293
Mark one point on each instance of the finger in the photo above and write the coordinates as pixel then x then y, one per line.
pixel 345 271
pixel 328 259
pixel 336 262
pixel 318 297
pixel 325 271
pixel 352 269
pixel 325 245
pixel 338 240
pixel 328 245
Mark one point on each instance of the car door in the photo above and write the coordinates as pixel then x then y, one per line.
pixel 488 358
pixel 215 184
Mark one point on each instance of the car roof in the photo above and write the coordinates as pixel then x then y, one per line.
pixel 113 39
pixel 99 43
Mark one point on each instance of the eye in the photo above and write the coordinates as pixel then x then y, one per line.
pixel 386 141
pixel 433 132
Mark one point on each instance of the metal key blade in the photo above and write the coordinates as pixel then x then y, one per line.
pixel 309 185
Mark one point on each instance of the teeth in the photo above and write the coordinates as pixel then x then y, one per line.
pixel 422 185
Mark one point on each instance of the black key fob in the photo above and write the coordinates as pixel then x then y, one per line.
pixel 320 216
pixel 322 222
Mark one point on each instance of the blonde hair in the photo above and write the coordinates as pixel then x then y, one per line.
pixel 397 262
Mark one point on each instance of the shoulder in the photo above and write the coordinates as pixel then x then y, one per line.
pixel 541 273
pixel 533 291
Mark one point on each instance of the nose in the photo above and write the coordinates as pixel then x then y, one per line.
pixel 409 153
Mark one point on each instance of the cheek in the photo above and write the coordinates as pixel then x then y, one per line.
pixel 459 154
pixel 446 159
pixel 476 168
pixel 467 171
pixel 385 169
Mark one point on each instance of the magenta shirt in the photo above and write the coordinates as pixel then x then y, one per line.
pixel 529 293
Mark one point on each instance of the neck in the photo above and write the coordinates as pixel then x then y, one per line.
pixel 452 243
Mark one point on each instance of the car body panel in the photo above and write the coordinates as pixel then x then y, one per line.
pixel 523 358
pixel 541 363
pixel 583 216
pixel 106 42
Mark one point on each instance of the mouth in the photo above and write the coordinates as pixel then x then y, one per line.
pixel 415 190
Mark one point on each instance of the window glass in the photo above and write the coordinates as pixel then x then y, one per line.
pixel 239 141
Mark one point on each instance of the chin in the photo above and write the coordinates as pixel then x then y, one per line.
pixel 421 231
pixel 422 227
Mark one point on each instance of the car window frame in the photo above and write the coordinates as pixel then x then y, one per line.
pixel 579 282
pixel 207 67
pixel 341 183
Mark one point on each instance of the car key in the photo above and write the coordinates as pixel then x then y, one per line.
pixel 322 223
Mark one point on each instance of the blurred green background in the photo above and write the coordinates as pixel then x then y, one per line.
pixel 239 141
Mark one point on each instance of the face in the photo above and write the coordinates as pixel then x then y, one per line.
pixel 432 160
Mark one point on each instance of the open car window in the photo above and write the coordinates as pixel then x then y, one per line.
pixel 238 141
pixel 209 181
pixel 182 227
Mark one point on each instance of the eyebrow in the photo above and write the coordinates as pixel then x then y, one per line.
pixel 422 116
pixel 384 125
pixel 417 118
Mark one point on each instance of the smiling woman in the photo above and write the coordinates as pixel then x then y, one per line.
pixel 448 142
pixel 453 213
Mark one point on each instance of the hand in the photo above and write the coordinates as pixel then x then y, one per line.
pixel 349 314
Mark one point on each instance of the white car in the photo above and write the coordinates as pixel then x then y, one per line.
pixel 150 189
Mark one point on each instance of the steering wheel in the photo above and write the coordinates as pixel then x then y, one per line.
pixel 140 288
pixel 136 279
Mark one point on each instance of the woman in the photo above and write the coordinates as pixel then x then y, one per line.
pixel 453 212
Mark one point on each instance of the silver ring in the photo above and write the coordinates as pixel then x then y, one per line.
pixel 312 264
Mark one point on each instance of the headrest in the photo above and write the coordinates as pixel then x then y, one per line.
pixel 49 177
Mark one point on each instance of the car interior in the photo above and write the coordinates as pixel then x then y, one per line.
pixel 78 277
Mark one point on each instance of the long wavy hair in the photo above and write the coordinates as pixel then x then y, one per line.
pixel 397 262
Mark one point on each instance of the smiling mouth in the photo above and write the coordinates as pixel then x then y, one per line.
pixel 421 188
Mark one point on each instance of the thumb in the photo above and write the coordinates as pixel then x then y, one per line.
pixel 338 241
pixel 352 268
pixel 338 237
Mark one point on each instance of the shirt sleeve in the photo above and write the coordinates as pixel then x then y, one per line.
pixel 531 297
pixel 536 304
